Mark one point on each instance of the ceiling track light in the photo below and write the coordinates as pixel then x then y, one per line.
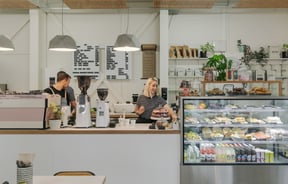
pixel 127 42
pixel 62 42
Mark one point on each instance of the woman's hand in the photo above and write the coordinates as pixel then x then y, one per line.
pixel 140 110
pixel 171 113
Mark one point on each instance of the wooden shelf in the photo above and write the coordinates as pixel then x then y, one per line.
pixel 269 82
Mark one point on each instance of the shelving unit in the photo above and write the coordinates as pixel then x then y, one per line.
pixel 269 83
pixel 189 69
pixel 178 68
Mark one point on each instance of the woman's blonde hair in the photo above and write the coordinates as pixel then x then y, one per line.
pixel 146 91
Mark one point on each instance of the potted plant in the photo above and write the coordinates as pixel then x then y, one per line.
pixel 55 111
pixel 284 52
pixel 220 64
pixel 261 56
pixel 54 115
pixel 205 48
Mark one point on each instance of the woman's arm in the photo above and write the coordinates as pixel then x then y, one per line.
pixel 139 109
pixel 171 112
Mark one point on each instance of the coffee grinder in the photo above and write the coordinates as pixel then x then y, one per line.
pixel 102 113
pixel 83 115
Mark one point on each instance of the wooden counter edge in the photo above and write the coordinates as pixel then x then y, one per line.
pixel 90 131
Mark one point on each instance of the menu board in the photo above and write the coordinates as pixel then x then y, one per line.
pixel 118 64
pixel 86 61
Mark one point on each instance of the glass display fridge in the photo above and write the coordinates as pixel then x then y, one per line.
pixel 234 139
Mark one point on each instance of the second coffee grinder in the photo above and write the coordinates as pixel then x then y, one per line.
pixel 83 114
pixel 102 113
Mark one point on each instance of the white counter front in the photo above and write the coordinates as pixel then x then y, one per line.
pixel 124 155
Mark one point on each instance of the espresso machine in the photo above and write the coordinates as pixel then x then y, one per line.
pixel 83 115
pixel 102 113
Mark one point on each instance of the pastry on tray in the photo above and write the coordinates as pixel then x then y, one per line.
pixel 273 120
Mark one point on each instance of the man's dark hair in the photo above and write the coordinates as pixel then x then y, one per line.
pixel 61 75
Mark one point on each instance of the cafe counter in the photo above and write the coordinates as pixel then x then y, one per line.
pixel 137 129
pixel 125 155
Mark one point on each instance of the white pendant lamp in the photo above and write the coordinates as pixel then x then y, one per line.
pixel 62 42
pixel 127 42
pixel 6 44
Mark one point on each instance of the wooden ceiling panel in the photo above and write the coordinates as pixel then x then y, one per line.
pixel 262 4
pixel 184 3
pixel 96 4
pixel 16 4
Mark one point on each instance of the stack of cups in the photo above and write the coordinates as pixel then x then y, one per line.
pixel 25 168
pixel 25 175
pixel 66 112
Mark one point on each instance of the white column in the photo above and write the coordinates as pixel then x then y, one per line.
pixel 164 44
pixel 37 48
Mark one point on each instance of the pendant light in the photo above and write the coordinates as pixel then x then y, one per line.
pixel 127 42
pixel 62 42
pixel 6 44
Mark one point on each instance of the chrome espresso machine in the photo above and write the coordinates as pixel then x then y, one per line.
pixel 83 114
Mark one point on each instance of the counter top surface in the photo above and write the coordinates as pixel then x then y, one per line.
pixel 69 179
pixel 127 115
pixel 137 129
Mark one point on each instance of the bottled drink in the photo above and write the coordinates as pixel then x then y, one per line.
pixel 253 156
pixel 213 154
pixel 233 154
pixel 208 152
pixel 197 154
pixel 242 153
pixel 217 153
pixel 203 152
pixel 223 155
pixel 249 155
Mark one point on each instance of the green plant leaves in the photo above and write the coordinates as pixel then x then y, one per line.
pixel 220 63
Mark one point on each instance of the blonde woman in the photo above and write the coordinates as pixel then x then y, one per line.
pixel 149 100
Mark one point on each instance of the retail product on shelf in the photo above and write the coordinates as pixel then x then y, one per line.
pixel 183 51
pixel 258 88
pixel 234 130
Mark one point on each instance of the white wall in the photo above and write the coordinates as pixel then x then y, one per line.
pixel 14 66
pixel 224 30
pixel 103 29
pixel 259 29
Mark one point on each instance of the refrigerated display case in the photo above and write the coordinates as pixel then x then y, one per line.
pixel 234 139
pixel 234 130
